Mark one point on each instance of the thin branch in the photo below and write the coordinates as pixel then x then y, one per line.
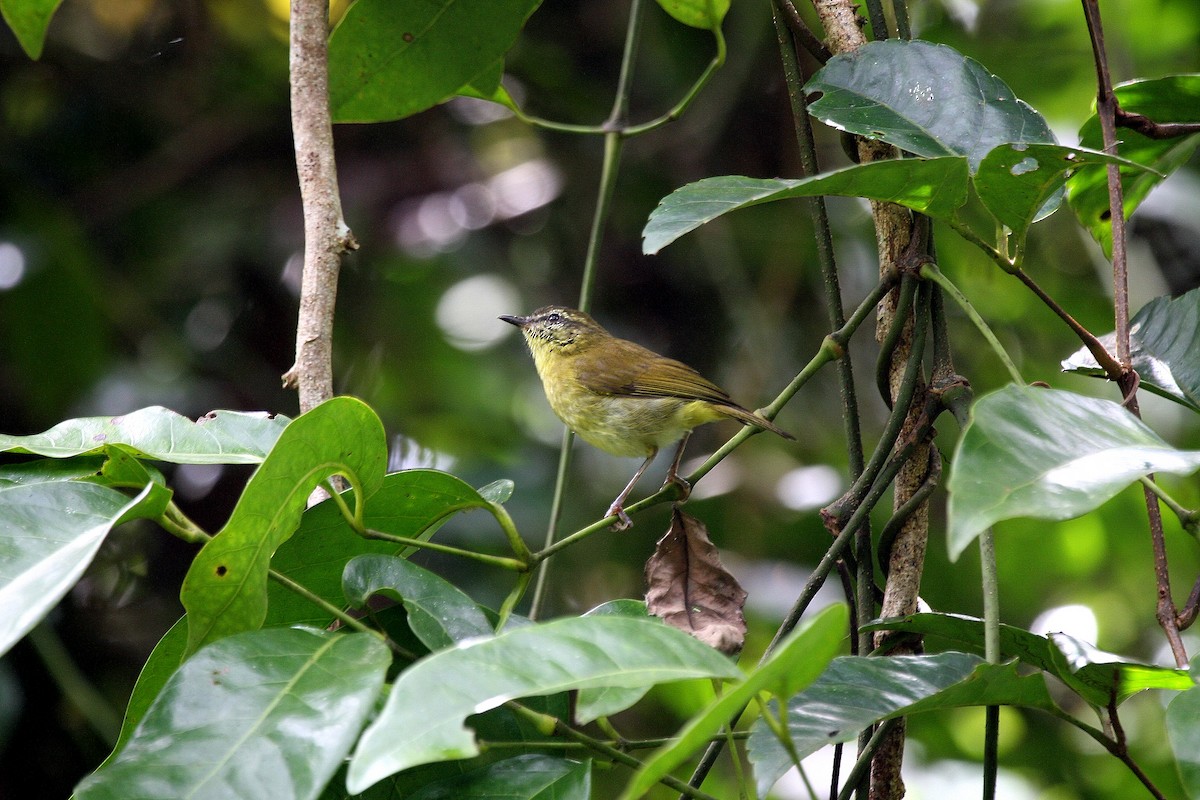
pixel 1154 130
pixel 326 235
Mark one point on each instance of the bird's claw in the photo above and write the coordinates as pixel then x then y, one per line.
pixel 685 488
pixel 623 522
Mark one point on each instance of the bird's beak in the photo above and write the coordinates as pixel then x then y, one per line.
pixel 518 321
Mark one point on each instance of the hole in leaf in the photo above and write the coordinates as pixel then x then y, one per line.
pixel 221 570
pixel 1105 215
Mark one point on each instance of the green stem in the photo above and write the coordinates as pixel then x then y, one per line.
pixel 101 717
pixel 514 597
pixel 354 518
pixel 519 548
pixel 859 770
pixel 484 558
pixel 349 620
pixel 1188 518
pixel 929 271
pixel 991 648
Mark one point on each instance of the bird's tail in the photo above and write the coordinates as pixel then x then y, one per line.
pixel 747 417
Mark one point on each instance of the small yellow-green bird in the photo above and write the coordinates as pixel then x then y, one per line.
pixel 621 397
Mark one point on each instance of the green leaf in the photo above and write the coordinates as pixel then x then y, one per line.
pixel 390 59
pixel 50 469
pixel 49 533
pixel 1048 454
pixel 525 777
pixel 497 491
pixel 933 186
pixel 220 437
pixel 797 662
pixel 856 691
pixel 247 717
pixel 1171 99
pixel 705 14
pixel 225 590
pixel 423 719
pixel 1183 729
pixel 1020 183
pixel 1164 338
pixel 925 98
pixel 439 613
pixel 487 86
pixel 601 701
pixel 412 503
pixel 29 20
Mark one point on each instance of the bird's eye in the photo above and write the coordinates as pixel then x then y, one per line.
pixel 554 318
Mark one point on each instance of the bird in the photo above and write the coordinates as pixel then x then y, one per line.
pixel 621 397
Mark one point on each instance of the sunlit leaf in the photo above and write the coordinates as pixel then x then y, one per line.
pixel 220 437
pixel 1164 338
pixel 796 663
pixel 706 14
pixel 933 186
pixel 248 716
pixel 29 20
pixel 423 719
pixel 925 98
pixel 389 59
pixel 225 590
pixel 1048 454
pixel 1175 98
pixel 856 691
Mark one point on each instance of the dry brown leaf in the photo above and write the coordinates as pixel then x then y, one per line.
pixel 690 589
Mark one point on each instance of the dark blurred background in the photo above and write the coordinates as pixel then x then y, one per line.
pixel 150 244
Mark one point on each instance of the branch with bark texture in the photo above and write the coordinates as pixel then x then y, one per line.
pixel 326 235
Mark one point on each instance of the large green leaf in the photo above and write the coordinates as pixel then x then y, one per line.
pixel 855 692
pixel 29 20
pixel 1172 99
pixel 600 701
pixel 389 59
pixel 925 98
pixel 1164 340
pixel 1019 183
pixel 794 665
pixel 706 14
pixel 220 437
pixel 412 503
pixel 439 613
pixel 49 533
pixel 423 719
pixel 525 777
pixel 263 714
pixel 1048 454
pixel 225 590
pixel 933 186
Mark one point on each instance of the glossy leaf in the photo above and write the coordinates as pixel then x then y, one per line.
pixel 1183 729
pixel 706 14
pixel 439 613
pixel 601 701
pixel 1021 183
pixel 796 663
pixel 29 20
pixel 932 186
pixel 220 437
pixel 423 719
pixel 525 777
pixel 927 99
pixel 264 714
pixel 1048 454
pixel 856 691
pixel 49 533
pixel 225 590
pixel 390 59
pixel 1164 338
pixel 50 469
pixel 1172 99
pixel 413 503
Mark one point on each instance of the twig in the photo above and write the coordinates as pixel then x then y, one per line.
pixel 326 235
pixel 1154 130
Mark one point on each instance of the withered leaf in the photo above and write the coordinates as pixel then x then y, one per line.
pixel 690 589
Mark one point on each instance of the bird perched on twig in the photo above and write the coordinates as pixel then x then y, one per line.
pixel 621 397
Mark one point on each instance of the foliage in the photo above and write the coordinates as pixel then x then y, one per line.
pixel 341 647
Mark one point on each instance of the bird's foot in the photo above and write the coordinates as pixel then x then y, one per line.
pixel 623 522
pixel 685 488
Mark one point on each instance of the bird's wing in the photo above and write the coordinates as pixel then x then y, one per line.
pixel 635 371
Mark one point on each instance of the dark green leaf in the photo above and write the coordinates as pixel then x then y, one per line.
pixel 925 98
pixel 263 714
pixel 29 20
pixel 1021 183
pixel 221 437
pixel 524 777
pixel 796 663
pixel 933 186
pixel 49 533
pixel 1183 728
pixel 855 692
pixel 439 613
pixel 225 590
pixel 706 14
pixel 1172 99
pixel 1164 338
pixel 423 718
pixel 1048 454
pixel 389 59
pixel 51 469
pixel 601 701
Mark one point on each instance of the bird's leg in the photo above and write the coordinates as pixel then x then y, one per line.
pixel 685 488
pixel 623 521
